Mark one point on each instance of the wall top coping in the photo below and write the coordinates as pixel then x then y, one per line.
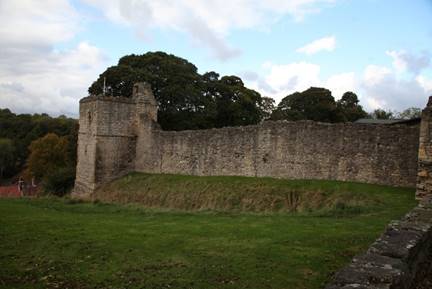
pixel 299 123
pixel 100 97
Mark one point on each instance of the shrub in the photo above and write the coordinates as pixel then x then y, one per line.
pixel 59 182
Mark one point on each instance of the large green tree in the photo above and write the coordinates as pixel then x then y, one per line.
pixel 318 104
pixel 315 103
pixel 350 108
pixel 186 99
pixel 236 104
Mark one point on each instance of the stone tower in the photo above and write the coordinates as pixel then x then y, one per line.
pixel 424 177
pixel 146 156
pixel 110 129
pixel 146 105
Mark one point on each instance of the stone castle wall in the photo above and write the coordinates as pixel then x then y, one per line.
pixel 120 135
pixel 381 154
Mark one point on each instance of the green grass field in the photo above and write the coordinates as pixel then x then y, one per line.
pixel 61 243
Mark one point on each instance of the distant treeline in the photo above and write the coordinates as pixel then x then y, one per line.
pixel 18 131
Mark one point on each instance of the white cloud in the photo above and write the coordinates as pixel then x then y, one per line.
pixel 323 44
pixel 377 87
pixel 34 76
pixel 283 79
pixel 425 83
pixel 384 88
pixel 293 76
pixel 404 61
pixel 206 22
pixel 298 9
pixel 36 22
pixel 374 74
pixel 341 83
pixel 54 83
pixel 389 89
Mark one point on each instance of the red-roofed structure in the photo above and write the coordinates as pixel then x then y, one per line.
pixel 10 191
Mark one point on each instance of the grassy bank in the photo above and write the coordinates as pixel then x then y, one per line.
pixel 57 243
pixel 240 194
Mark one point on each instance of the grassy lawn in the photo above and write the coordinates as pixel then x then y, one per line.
pixel 60 243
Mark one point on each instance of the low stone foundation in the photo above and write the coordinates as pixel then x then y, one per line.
pixel 399 259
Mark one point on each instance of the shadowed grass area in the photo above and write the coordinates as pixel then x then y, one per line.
pixel 60 243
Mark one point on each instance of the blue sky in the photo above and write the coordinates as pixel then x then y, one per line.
pixel 52 50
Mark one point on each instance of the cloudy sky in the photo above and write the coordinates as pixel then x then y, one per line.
pixel 52 50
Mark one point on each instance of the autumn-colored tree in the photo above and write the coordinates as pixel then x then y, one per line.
pixel 51 162
pixel 47 154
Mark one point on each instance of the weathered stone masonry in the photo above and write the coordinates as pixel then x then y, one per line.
pixel 401 258
pixel 424 184
pixel 120 135
pixel 295 150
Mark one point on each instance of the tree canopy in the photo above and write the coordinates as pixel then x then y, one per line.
pixel 410 113
pixel 47 154
pixel 318 104
pixel 51 162
pixel 382 114
pixel 186 99
pixel 314 103
pixel 349 107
